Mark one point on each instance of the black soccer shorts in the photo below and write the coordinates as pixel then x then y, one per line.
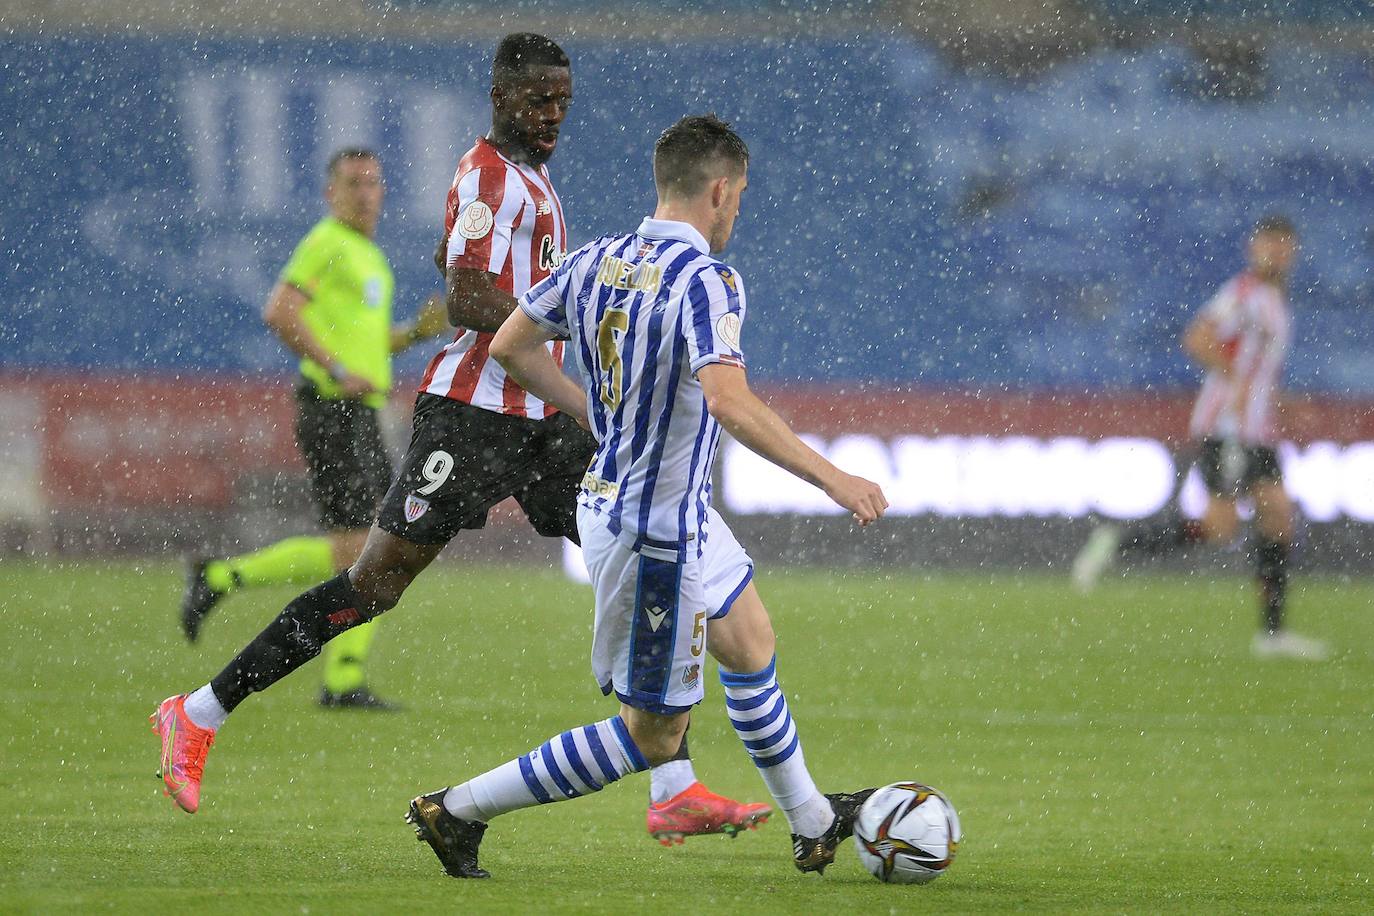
pixel 463 460
pixel 345 457
pixel 1257 464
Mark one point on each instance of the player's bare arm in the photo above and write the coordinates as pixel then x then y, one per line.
pixel 519 347
pixel 1203 347
pixel 755 426
pixel 282 314
pixel 441 257
pixel 475 302
pixel 431 321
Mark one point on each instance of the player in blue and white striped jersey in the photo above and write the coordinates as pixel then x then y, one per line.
pixel 645 312
pixel 655 322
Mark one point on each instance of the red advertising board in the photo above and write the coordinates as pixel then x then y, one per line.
pixel 110 443
pixel 115 442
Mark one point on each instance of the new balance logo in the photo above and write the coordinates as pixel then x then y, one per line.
pixel 544 208
pixel 656 617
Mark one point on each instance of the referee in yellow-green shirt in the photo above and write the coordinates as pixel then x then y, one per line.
pixel 332 307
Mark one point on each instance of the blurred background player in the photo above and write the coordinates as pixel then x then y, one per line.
pixel 654 321
pixel 478 438
pixel 1240 338
pixel 331 307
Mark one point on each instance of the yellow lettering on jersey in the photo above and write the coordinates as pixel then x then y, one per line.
pixel 618 273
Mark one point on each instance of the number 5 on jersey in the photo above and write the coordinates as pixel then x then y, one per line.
pixel 609 335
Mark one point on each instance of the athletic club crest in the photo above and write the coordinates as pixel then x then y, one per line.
pixel 415 507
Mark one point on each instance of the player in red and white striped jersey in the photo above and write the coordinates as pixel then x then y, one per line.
pixel 503 220
pixel 1240 338
pixel 478 438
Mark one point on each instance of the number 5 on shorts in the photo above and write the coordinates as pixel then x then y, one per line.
pixel 698 633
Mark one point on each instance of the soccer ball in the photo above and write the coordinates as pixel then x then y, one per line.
pixel 907 833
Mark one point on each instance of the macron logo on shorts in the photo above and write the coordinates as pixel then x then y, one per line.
pixel 656 617
pixel 415 507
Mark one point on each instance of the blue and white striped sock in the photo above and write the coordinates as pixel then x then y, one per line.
pixel 574 763
pixel 758 710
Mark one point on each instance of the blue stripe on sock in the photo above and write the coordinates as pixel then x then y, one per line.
pixel 764 763
pixel 570 748
pixel 550 764
pixel 631 749
pixel 753 725
pixel 756 679
pixel 758 744
pixel 754 702
pixel 599 752
pixel 532 781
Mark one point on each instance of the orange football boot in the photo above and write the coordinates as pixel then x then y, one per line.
pixel 184 746
pixel 696 811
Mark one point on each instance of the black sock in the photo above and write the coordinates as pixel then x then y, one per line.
pixel 1271 567
pixel 294 638
pixel 1152 540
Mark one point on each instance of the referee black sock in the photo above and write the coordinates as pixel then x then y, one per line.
pixel 294 638
pixel 1271 568
pixel 1152 540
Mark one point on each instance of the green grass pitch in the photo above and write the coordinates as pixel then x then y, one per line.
pixel 1115 753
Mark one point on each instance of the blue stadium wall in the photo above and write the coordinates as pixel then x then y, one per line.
pixel 905 222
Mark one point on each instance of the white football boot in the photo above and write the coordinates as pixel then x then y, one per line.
pixel 1098 555
pixel 1284 644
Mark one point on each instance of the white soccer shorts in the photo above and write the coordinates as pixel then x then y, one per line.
pixel 649 636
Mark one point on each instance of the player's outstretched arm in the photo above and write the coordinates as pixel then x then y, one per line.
pixel 755 426
pixel 519 347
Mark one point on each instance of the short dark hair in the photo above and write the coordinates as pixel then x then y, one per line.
pixel 1276 223
pixel 519 51
pixel 350 152
pixel 684 153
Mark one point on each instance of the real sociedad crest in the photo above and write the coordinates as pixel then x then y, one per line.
pixel 415 507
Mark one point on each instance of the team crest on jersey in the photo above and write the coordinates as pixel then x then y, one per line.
pixel 690 675
pixel 415 507
pixel 476 221
pixel 549 257
pixel 728 276
pixel 727 329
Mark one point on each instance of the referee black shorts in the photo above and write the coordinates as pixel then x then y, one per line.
pixel 463 460
pixel 347 462
pixel 1230 474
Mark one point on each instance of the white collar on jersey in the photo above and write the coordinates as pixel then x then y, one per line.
pixel 672 229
